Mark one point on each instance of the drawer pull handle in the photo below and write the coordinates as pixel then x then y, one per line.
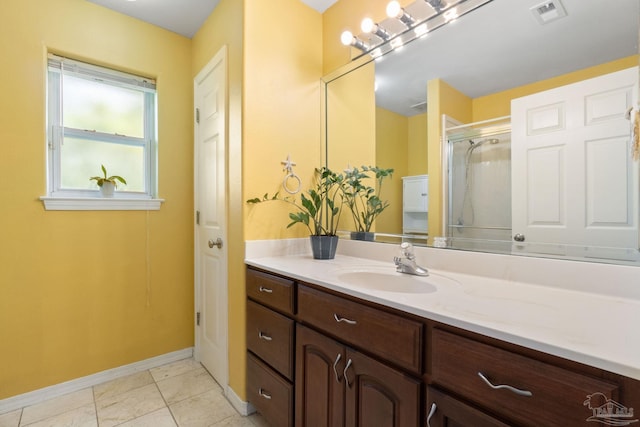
pixel 335 371
pixel 264 336
pixel 508 387
pixel 267 290
pixel 264 394
pixel 344 373
pixel 432 411
pixel 343 319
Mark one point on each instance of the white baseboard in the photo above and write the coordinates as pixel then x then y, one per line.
pixel 37 396
pixel 243 408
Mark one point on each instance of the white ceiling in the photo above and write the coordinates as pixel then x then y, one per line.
pixel 184 17
pixel 501 46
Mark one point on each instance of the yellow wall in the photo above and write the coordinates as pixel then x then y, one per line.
pixel 281 108
pixel 225 28
pixel 417 163
pixel 85 291
pixel 499 104
pixel 392 135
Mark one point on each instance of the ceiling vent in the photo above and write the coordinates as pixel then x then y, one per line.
pixel 548 11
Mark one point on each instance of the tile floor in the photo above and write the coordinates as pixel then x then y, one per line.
pixel 180 394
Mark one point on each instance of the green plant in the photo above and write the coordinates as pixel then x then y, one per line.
pixel 320 208
pixel 363 200
pixel 100 180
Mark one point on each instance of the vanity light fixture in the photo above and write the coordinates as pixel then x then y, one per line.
pixel 403 26
pixel 348 39
pixel 368 26
pixel 437 5
pixel 394 10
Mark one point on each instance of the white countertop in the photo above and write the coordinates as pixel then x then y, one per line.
pixel 591 328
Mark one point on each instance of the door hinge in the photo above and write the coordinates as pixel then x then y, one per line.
pixel 197 115
pixel 197 217
pixel 198 319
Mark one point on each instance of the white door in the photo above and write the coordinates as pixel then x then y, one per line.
pixel 210 229
pixel 573 175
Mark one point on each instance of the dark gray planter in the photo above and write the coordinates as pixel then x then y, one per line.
pixel 324 247
pixel 363 235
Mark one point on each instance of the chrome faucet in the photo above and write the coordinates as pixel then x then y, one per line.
pixel 406 263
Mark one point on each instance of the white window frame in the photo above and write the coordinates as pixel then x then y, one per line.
pixel 59 198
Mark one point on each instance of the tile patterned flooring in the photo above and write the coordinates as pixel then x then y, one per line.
pixel 180 394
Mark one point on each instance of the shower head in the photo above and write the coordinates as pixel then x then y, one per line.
pixel 483 141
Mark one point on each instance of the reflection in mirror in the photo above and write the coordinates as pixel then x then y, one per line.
pixel 471 72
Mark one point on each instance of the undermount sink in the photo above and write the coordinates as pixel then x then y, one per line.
pixel 389 280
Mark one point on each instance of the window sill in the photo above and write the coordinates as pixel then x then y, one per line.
pixel 99 204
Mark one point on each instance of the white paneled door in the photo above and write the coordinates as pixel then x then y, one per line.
pixel 210 230
pixel 573 174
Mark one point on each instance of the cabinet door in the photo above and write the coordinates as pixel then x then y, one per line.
pixel 445 411
pixel 379 396
pixel 415 194
pixel 320 362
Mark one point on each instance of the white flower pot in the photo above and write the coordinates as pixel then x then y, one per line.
pixel 107 189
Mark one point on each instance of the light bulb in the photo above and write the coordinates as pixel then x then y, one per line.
pixel 451 15
pixel 367 25
pixel 346 38
pixel 394 10
pixel 421 30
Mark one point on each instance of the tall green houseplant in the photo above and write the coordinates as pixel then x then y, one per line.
pixel 363 200
pixel 319 209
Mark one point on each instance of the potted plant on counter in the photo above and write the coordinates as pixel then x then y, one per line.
pixel 319 209
pixel 363 200
pixel 107 184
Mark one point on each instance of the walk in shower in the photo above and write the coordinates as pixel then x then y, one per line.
pixel 479 183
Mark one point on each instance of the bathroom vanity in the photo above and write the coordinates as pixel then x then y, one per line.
pixel 327 350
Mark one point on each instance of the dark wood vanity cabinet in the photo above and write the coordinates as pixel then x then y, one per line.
pixel 320 358
pixel 338 386
pixel 270 345
pixel 493 386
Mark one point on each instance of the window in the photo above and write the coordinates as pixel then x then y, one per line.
pixel 98 116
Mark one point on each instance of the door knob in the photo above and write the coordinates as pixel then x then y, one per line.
pixel 519 237
pixel 217 243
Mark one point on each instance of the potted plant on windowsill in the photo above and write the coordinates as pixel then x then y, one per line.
pixel 362 200
pixel 107 184
pixel 319 210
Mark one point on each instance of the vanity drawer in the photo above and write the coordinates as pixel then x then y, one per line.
pixel 271 395
pixel 557 394
pixel 270 336
pixel 273 291
pixel 392 337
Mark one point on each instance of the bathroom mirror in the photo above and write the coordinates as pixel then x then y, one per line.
pixel 502 47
